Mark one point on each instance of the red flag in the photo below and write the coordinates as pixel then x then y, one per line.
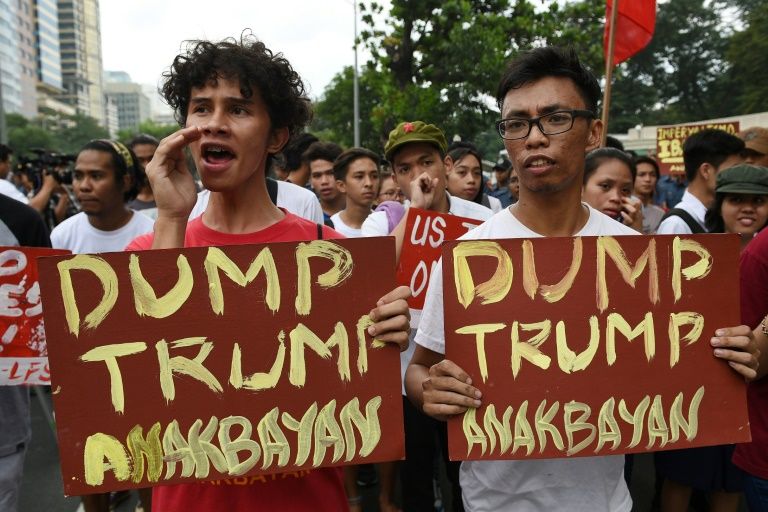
pixel 634 27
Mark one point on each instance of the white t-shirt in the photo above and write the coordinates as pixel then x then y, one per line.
pixel 495 203
pixel 297 200
pixel 7 189
pixel 578 484
pixel 377 225
pixel 342 228
pixel 674 225
pixel 77 235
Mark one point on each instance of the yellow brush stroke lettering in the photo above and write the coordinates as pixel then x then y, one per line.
pixel 108 279
pixel 341 270
pixel 473 433
pixel 635 418
pixel 696 271
pixel 302 337
pixel 616 322
pixel 572 426
pixel 273 440
pixel 678 422
pixel 480 330
pixel 529 350
pixel 367 426
pixel 217 260
pixel 149 447
pixel 242 443
pixel 566 358
pixel 109 354
pixel 550 292
pixel 608 430
pixel 192 367
pixel 493 290
pixel 501 428
pixel 102 446
pixel 543 424
pixel 609 246
pixel 327 433
pixel 676 321
pixel 144 296
pixel 305 429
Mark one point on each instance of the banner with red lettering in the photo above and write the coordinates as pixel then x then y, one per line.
pixel 425 232
pixel 23 350
pixel 216 363
pixel 594 345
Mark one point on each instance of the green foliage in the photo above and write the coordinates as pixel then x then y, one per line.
pixel 80 131
pixel 748 52
pixel 148 127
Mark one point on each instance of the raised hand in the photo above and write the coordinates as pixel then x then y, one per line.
pixel 172 183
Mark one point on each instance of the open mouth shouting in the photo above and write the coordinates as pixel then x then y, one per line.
pixel 216 157
pixel 538 164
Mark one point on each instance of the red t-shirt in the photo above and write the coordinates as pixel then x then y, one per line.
pixel 753 457
pixel 319 490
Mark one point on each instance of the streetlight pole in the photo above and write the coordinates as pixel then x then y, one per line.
pixel 356 87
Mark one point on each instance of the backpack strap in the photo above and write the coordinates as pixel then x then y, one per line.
pixel 692 224
pixel 319 231
pixel 272 190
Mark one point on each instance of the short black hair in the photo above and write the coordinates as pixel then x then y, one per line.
pixel 293 151
pixel 122 164
pixel 5 153
pixel 709 146
pixel 256 68
pixel 322 150
pixel 644 159
pixel 613 142
pixel 344 160
pixel 599 156
pixel 459 149
pixel 143 138
pixel 533 65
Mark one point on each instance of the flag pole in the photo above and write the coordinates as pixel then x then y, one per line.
pixel 609 69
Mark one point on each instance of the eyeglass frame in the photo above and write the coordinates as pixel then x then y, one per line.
pixel 537 121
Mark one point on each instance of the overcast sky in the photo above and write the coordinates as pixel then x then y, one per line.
pixel 142 37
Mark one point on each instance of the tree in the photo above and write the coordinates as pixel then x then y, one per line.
pixel 148 127
pixel 82 129
pixel 748 53
pixel 681 75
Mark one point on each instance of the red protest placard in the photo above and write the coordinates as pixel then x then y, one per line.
pixel 215 363
pixel 425 232
pixel 593 346
pixel 670 139
pixel 23 349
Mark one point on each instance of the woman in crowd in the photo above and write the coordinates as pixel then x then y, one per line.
pixel 645 187
pixel 388 189
pixel 464 171
pixel 609 176
pixel 741 202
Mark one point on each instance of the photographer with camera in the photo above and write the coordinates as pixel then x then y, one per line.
pixel 45 178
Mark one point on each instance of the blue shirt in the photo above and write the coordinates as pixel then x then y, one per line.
pixel 669 191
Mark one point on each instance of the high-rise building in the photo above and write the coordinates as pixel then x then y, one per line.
pixel 25 33
pixel 10 58
pixel 47 43
pixel 94 67
pixel 132 104
pixel 80 41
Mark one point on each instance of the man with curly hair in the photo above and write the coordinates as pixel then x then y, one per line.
pixel 239 104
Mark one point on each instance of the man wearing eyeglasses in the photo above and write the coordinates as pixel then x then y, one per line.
pixel 548 103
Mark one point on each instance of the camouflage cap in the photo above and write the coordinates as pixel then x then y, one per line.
pixel 756 139
pixel 414 131
pixel 743 179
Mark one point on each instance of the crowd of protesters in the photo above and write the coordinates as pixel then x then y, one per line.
pixel 256 176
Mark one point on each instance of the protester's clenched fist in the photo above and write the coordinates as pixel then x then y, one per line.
pixel 172 183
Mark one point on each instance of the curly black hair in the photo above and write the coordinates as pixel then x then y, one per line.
pixel 249 62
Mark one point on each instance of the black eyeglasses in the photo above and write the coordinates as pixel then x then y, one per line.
pixel 550 124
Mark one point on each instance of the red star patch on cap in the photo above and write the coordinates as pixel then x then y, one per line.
pixel 408 127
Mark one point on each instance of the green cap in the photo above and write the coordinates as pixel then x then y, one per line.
pixel 743 179
pixel 414 131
